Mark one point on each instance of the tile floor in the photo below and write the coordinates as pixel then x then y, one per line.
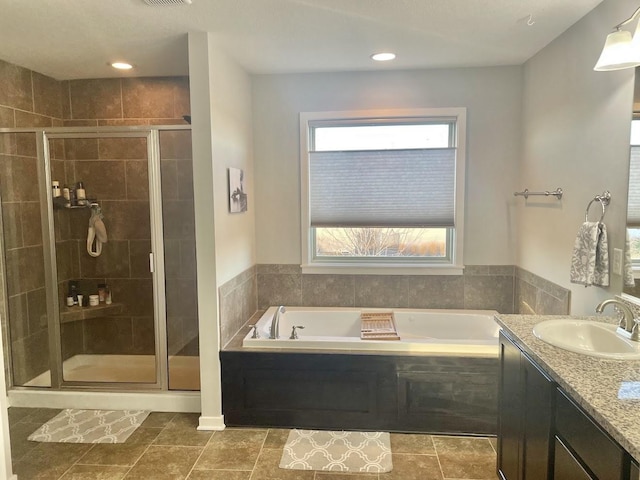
pixel 167 446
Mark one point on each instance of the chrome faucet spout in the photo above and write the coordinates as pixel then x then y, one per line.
pixel 274 332
pixel 628 321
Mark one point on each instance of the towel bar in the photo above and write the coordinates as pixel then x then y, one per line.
pixel 526 193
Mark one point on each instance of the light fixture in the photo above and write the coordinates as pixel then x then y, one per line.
pixel 621 49
pixel 383 57
pixel 121 65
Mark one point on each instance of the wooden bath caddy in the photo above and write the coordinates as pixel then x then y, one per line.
pixel 378 326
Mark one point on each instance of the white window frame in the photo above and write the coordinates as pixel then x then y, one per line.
pixel 371 266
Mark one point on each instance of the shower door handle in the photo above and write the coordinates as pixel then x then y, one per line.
pixel 151 269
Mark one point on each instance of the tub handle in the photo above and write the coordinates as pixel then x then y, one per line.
pixel 294 333
pixel 255 331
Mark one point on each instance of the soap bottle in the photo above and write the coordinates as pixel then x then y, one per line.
pixel 73 292
pixel 55 187
pixel 66 194
pixel 81 194
pixel 108 299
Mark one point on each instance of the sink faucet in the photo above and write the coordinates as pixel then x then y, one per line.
pixel 275 323
pixel 628 320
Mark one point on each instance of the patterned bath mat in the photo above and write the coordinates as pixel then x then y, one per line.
pixel 90 426
pixel 337 451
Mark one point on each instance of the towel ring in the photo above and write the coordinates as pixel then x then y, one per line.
pixel 604 201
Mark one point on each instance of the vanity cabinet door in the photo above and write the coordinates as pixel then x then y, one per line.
pixel 525 417
pixel 566 467
pixel 510 408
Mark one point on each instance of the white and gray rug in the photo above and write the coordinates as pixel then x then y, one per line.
pixel 337 451
pixel 90 426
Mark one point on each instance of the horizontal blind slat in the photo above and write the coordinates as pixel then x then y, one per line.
pixel 633 212
pixel 386 188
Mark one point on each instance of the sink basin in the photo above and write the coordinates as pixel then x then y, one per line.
pixel 587 337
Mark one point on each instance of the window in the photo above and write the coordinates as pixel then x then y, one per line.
pixel 633 208
pixel 383 189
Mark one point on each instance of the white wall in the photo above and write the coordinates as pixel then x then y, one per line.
pixel 225 244
pixel 576 126
pixel 231 126
pixel 493 100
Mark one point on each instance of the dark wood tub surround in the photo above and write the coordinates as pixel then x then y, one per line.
pixel 346 391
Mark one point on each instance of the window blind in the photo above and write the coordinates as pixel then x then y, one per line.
pixel 633 209
pixel 383 188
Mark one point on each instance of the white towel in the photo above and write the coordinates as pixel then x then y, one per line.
pixel 629 281
pixel 590 260
pixel 96 235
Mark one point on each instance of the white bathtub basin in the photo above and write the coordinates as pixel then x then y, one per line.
pixel 442 332
pixel 596 339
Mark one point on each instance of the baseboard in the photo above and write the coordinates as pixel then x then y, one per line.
pixel 212 423
pixel 156 402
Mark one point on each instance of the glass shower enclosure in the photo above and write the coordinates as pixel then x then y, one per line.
pixel 98 258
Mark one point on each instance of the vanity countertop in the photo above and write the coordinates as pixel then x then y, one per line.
pixel 609 390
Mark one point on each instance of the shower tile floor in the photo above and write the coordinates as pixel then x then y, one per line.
pixel 168 446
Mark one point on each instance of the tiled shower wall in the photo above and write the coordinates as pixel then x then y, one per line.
pixel 29 99
pixel 504 288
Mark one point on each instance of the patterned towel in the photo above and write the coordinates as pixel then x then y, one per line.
pixel 590 260
pixel 629 281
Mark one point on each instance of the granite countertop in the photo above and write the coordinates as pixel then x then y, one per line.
pixel 594 383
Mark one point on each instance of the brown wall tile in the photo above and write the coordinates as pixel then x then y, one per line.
pixel 136 295
pixel 380 291
pixel 16 88
pixel 31 224
pixel 139 261
pixel 94 99
pixel 19 315
pixel 143 342
pixel 81 149
pixel 123 148
pixel 137 180
pixel 12 224
pixel 19 181
pixel 26 119
pixel 128 220
pixel 169 179
pixel 7 117
pixel 37 305
pixel 30 357
pixel 175 144
pixel 108 335
pixel 148 97
pixel 24 269
pixel 71 339
pixel 47 95
pixel 103 180
pixel 112 263
pixel 26 145
pixel 328 290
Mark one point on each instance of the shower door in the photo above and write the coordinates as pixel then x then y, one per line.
pixel 141 331
pixel 106 293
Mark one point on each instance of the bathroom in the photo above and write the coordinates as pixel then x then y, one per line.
pixel 516 253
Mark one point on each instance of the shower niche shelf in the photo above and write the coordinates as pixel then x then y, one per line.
pixel 61 205
pixel 75 314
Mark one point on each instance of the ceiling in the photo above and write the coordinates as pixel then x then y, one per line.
pixel 69 39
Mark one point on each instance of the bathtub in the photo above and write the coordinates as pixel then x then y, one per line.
pixel 441 332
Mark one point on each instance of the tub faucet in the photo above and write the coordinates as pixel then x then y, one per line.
pixel 275 323
pixel 628 320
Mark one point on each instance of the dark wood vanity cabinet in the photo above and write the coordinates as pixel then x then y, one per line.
pixel 525 420
pixel 543 434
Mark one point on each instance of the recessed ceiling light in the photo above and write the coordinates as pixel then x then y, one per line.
pixel 122 65
pixel 383 57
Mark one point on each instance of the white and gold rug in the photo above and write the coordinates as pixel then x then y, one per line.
pixel 337 451
pixel 90 426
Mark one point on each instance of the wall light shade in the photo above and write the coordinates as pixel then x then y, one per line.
pixel 618 53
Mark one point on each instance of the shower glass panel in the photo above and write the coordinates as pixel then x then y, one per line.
pixel 23 248
pixel 176 169
pixel 113 341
